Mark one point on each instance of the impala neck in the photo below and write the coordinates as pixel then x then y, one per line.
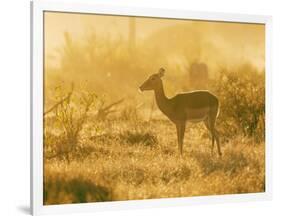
pixel 162 100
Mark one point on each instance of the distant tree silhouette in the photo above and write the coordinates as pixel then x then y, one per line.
pixel 198 75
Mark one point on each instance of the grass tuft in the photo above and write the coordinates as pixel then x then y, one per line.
pixel 146 138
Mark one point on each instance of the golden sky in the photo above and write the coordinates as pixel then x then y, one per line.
pixel 79 25
pixel 235 41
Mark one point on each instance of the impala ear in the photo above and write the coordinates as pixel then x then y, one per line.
pixel 161 72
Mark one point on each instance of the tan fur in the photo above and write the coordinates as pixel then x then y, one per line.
pixel 195 106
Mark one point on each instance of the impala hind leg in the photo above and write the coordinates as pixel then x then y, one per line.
pixel 215 134
pixel 180 134
pixel 210 123
pixel 207 124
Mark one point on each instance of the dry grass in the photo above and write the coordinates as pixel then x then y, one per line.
pixel 144 164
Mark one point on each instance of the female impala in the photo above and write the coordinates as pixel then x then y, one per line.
pixel 195 106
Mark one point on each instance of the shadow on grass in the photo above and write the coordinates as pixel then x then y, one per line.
pixel 230 163
pixel 62 190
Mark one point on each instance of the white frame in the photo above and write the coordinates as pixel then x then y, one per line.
pixel 37 9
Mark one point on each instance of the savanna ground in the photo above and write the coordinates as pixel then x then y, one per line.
pixel 139 160
pixel 104 141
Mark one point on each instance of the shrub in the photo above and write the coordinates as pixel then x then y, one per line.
pixel 242 101
pixel 71 115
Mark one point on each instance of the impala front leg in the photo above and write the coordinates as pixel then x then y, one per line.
pixel 180 133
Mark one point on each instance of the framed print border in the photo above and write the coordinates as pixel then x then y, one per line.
pixel 37 84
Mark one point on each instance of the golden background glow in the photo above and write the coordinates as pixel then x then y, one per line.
pixel 233 41
pixel 105 141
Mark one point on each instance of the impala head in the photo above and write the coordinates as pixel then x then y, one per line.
pixel 154 81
